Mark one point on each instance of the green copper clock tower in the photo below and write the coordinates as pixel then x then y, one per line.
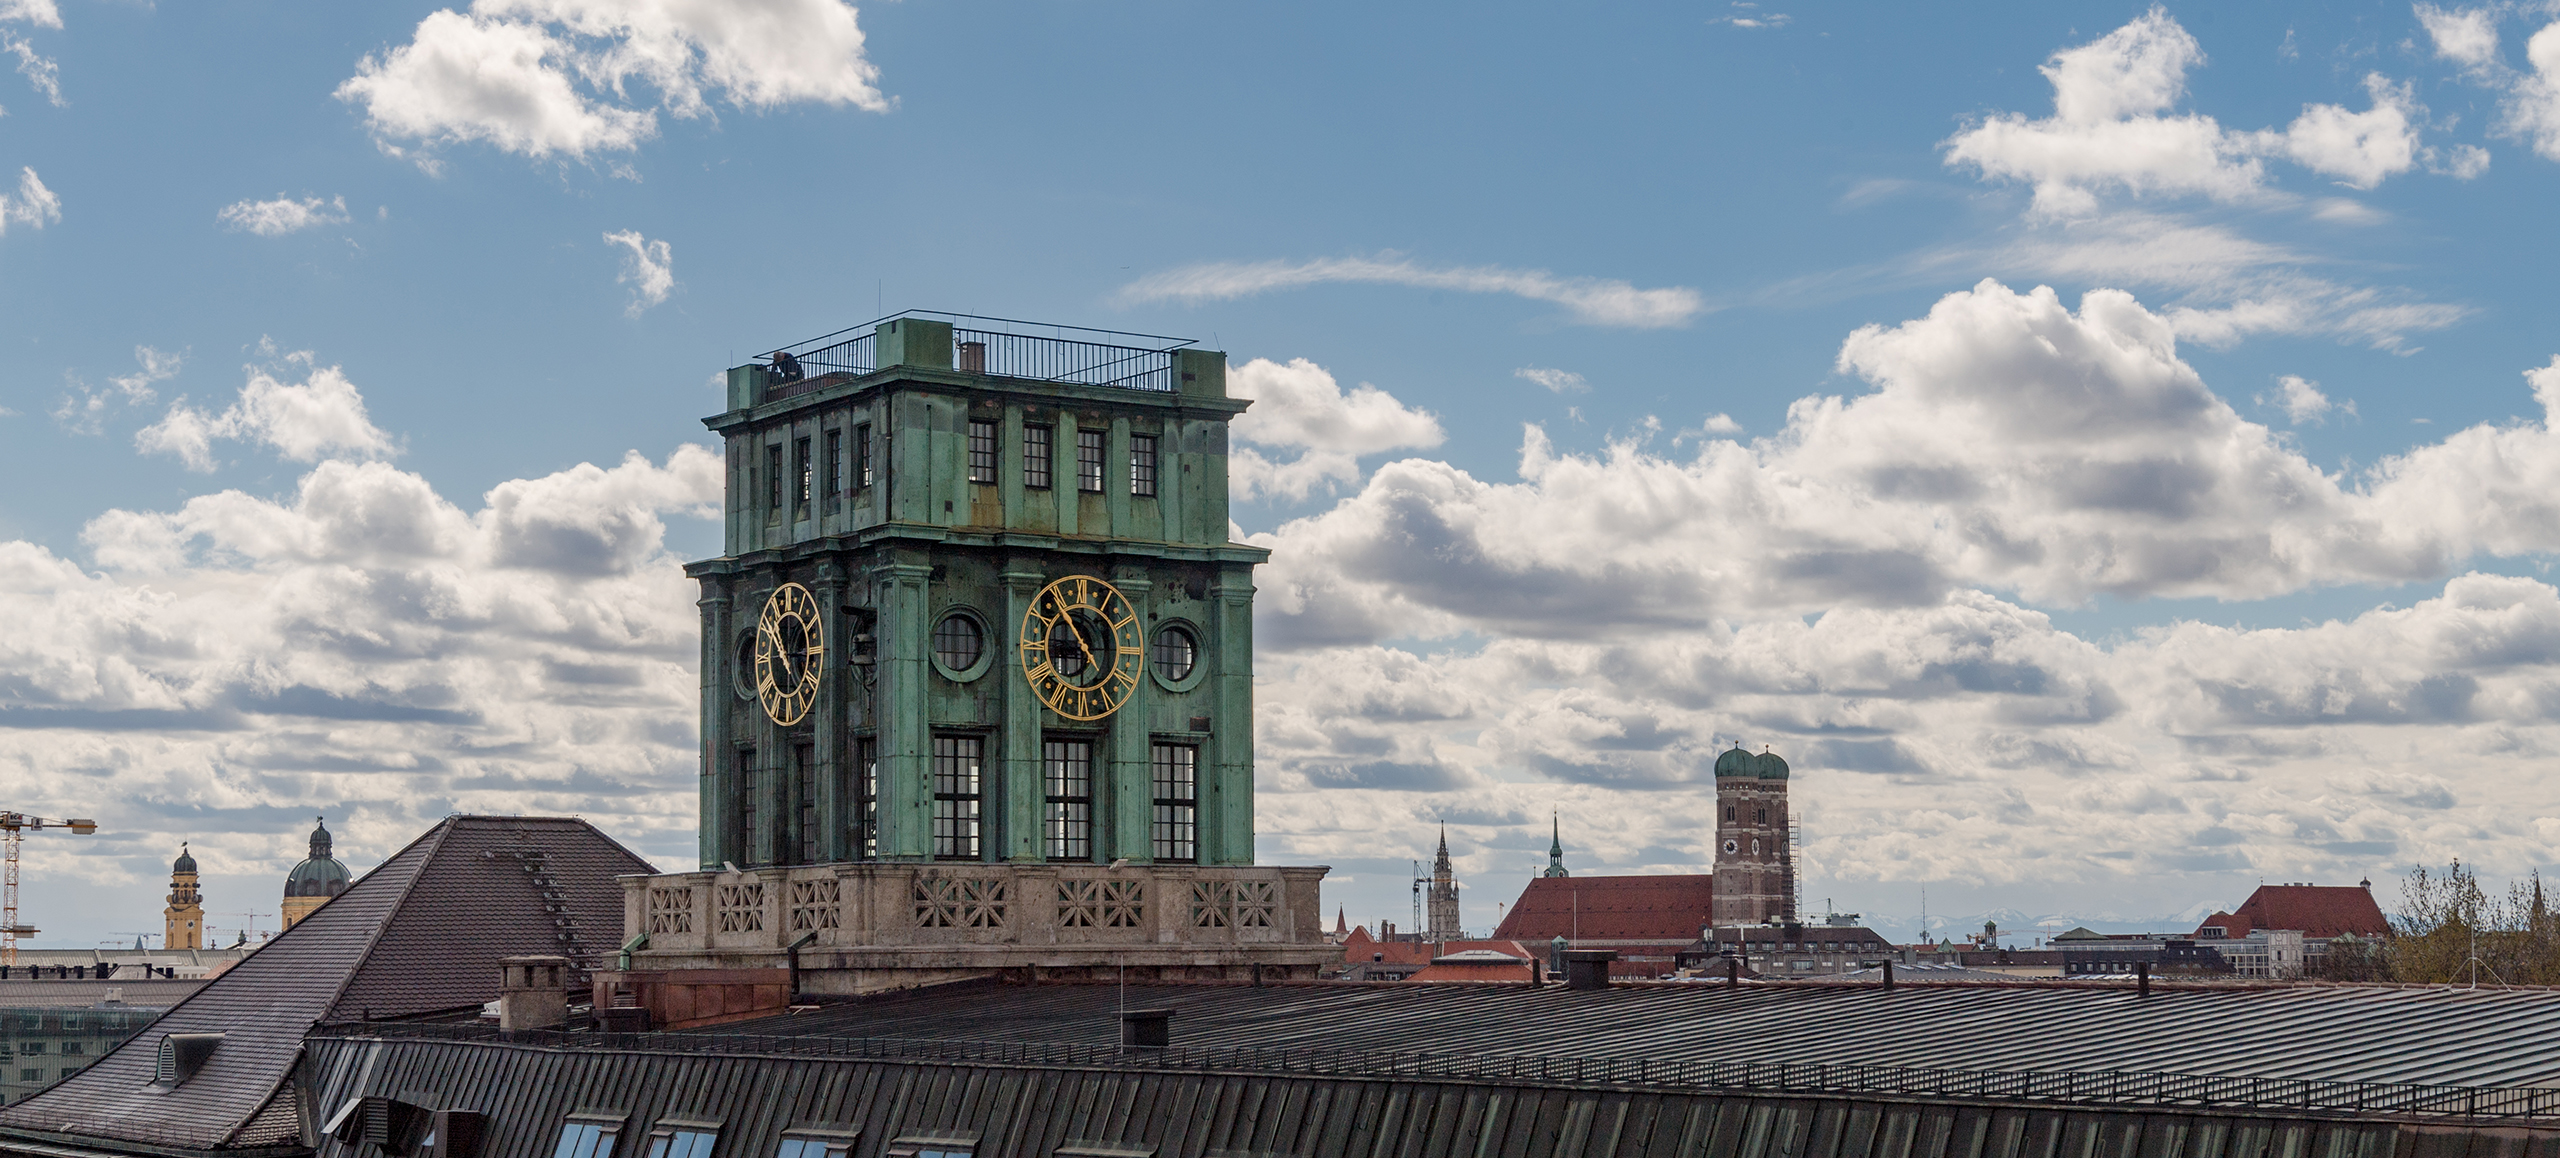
pixel 977 603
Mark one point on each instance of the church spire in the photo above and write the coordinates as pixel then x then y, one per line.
pixel 1440 866
pixel 1555 849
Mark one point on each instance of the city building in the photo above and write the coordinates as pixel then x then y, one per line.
pixel 424 935
pixel 57 1026
pixel 317 878
pixel 2086 953
pixel 1649 920
pixel 1367 958
pixel 1755 875
pixel 183 918
pixel 2286 930
pixel 1790 950
pixel 1442 907
pixel 977 672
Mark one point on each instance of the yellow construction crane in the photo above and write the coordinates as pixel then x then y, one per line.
pixel 13 826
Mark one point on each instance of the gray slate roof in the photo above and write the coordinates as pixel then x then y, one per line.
pixel 422 933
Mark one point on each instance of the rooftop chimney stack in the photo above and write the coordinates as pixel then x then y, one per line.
pixel 533 992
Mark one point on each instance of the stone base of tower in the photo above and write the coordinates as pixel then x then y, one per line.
pixel 865 927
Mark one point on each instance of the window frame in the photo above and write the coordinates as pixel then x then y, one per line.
pixel 773 480
pixel 609 1129
pixel 804 786
pixel 933 1145
pixel 866 799
pixel 1039 455
pixel 1093 458
pixel 864 456
pixel 834 465
pixel 986 451
pixel 743 786
pixel 986 645
pixel 1066 800
pixel 959 834
pixel 826 1141
pixel 1191 677
pixel 1143 466
pixel 664 1136
pixel 803 477
pixel 1173 822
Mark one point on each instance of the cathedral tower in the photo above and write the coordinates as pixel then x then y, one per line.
pixel 319 877
pixel 1755 864
pixel 1443 910
pixel 185 914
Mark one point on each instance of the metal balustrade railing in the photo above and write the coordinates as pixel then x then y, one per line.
pixel 1005 352
pixel 2199 1091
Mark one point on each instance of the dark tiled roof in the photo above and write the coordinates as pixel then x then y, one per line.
pixel 419 934
pixel 2314 910
pixel 1644 908
pixel 2482 1037
pixel 154 994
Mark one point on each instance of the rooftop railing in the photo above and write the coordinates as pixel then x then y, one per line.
pixel 2066 1087
pixel 1006 348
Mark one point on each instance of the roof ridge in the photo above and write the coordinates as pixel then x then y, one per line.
pixel 434 839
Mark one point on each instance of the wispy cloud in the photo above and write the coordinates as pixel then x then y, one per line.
pixel 649 269
pixel 1560 381
pixel 1591 300
pixel 283 215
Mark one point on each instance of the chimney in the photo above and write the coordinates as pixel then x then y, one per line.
pixel 1588 968
pixel 1146 1028
pixel 533 992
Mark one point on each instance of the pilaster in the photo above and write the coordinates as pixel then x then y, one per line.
pixel 835 685
pixel 906 744
pixel 1019 765
pixel 717 698
pixel 1131 803
pixel 1226 775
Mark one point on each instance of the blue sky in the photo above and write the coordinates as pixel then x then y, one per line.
pixel 269 252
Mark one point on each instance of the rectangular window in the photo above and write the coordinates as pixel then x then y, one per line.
pixel 74 1047
pixel 1089 447
pixel 817 1144
pixel 30 1075
pixel 835 467
pixel 587 1139
pixel 683 1140
pixel 804 775
pixel 955 797
pixel 982 451
pixel 1177 802
pixel 914 1146
pixel 1068 821
pixel 773 479
pixel 862 455
pixel 866 806
pixel 30 1048
pixel 800 467
pixel 1142 465
pixel 1037 443
pixel 746 794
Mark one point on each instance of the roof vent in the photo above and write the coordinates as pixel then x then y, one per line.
pixel 182 1054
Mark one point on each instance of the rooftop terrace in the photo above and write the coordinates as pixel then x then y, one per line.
pixel 1001 347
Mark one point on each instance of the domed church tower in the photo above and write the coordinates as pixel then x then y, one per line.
pixel 185 914
pixel 1755 868
pixel 318 878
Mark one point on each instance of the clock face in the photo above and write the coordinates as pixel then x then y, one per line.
pixel 1732 846
pixel 790 649
pixel 1082 648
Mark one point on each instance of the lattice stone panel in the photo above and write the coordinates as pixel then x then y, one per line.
pixel 816 904
pixel 1234 904
pixel 740 908
pixel 1101 904
pixel 961 902
pixel 671 910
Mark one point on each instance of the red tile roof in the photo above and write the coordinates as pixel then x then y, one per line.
pixel 1587 909
pixel 2315 910
pixel 1358 949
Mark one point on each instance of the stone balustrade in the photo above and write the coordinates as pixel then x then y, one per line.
pixel 906 917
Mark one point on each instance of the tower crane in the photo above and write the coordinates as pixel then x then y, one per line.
pixel 13 827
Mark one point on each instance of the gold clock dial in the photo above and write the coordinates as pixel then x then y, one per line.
pixel 1082 647
pixel 791 648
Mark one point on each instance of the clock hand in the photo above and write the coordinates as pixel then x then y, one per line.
pixel 1077 629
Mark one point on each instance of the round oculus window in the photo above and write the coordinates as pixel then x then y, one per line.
pixel 1176 653
pixel 958 642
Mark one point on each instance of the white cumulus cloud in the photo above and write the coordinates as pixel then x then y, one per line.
pixel 34 206
pixel 2112 129
pixel 322 416
pixel 648 267
pixel 2302 401
pixel 1298 406
pixel 1559 381
pixel 544 78
pixel 1591 301
pixel 283 214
